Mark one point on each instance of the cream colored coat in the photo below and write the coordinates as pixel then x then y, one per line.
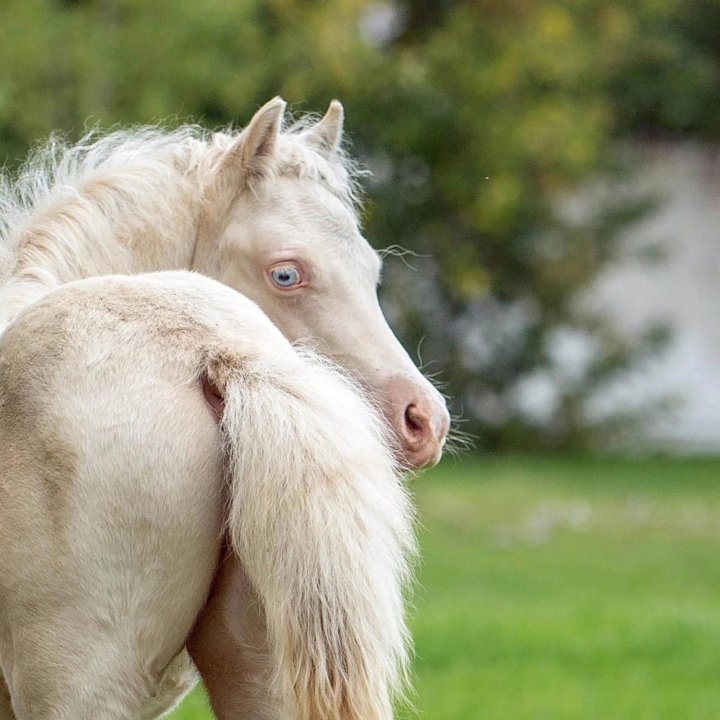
pixel 236 208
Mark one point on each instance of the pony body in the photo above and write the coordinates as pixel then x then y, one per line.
pixel 112 491
pixel 238 207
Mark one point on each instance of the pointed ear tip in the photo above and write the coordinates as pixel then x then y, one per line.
pixel 275 106
pixel 336 107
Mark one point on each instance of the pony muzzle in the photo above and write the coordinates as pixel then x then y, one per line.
pixel 419 419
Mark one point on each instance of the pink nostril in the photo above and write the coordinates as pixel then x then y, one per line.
pixel 417 427
pixel 418 418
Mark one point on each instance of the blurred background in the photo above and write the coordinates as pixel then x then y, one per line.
pixel 546 184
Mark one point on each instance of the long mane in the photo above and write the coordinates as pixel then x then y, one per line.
pixel 128 165
pixel 122 178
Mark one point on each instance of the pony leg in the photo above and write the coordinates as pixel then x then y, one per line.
pixel 6 711
pixel 179 678
pixel 63 672
pixel 230 648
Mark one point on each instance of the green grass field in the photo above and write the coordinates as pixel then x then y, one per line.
pixel 566 589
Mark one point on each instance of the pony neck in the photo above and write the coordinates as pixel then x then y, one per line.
pixel 129 218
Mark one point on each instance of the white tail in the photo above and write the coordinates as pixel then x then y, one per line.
pixel 324 528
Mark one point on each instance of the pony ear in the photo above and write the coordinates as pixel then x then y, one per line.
pixel 247 158
pixel 259 138
pixel 327 133
pixel 249 153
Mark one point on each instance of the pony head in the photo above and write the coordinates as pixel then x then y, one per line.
pixel 280 224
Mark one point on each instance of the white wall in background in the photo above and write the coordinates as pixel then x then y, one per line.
pixel 681 289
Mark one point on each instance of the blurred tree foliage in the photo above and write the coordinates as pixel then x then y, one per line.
pixel 480 120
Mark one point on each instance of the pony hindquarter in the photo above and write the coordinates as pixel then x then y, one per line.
pixel 110 499
pixel 111 494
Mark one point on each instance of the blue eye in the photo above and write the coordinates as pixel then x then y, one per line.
pixel 285 276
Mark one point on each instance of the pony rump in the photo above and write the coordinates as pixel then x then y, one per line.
pixel 324 528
